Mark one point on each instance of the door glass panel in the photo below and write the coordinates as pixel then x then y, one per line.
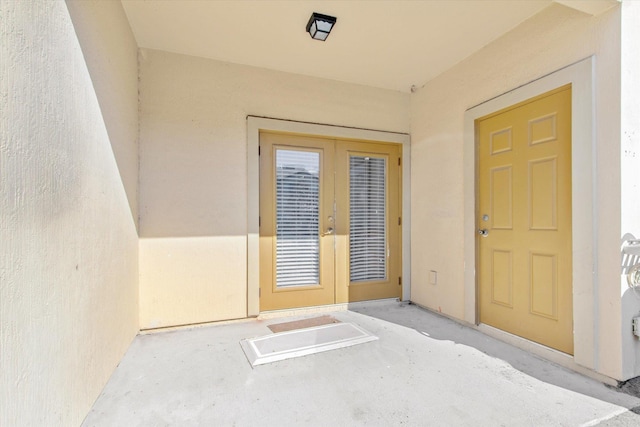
pixel 367 219
pixel 297 219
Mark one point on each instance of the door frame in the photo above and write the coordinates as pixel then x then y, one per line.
pixel 256 124
pixel 580 76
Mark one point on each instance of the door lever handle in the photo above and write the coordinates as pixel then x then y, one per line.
pixel 483 232
pixel 328 232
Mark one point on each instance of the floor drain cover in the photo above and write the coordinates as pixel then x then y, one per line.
pixel 302 342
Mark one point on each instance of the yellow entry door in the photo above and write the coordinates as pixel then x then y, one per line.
pixel 329 221
pixel 524 220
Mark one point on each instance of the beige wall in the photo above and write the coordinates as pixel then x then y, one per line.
pixel 111 54
pixel 553 39
pixel 68 243
pixel 193 169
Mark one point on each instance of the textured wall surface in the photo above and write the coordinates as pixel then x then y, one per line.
pixel 553 39
pixel 193 172
pixel 68 242
pixel 111 54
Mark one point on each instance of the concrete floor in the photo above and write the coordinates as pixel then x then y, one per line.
pixel 425 370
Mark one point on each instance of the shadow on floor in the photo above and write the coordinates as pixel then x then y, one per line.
pixel 439 327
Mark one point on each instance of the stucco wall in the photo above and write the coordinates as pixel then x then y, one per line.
pixel 553 39
pixel 193 172
pixel 68 242
pixel 111 54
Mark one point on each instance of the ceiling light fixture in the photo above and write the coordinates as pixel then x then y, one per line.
pixel 319 26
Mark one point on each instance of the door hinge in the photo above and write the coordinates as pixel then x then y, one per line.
pixel 259 221
pixel 258 150
pixel 399 280
pixel 399 220
pixel 259 292
pixel 399 161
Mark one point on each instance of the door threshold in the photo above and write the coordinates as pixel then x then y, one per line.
pixel 373 302
pixel 302 311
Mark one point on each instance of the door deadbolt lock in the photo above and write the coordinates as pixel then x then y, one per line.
pixel 483 232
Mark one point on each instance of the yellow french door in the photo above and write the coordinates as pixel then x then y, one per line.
pixel 367 195
pixel 329 221
pixel 296 222
pixel 524 220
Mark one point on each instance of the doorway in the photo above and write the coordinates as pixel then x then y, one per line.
pixel 524 220
pixel 330 221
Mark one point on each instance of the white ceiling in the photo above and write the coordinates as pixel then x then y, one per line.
pixel 385 44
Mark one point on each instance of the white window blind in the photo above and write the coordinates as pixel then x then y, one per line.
pixel 297 221
pixel 367 216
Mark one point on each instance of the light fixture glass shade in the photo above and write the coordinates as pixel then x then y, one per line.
pixel 321 36
pixel 324 26
pixel 319 26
